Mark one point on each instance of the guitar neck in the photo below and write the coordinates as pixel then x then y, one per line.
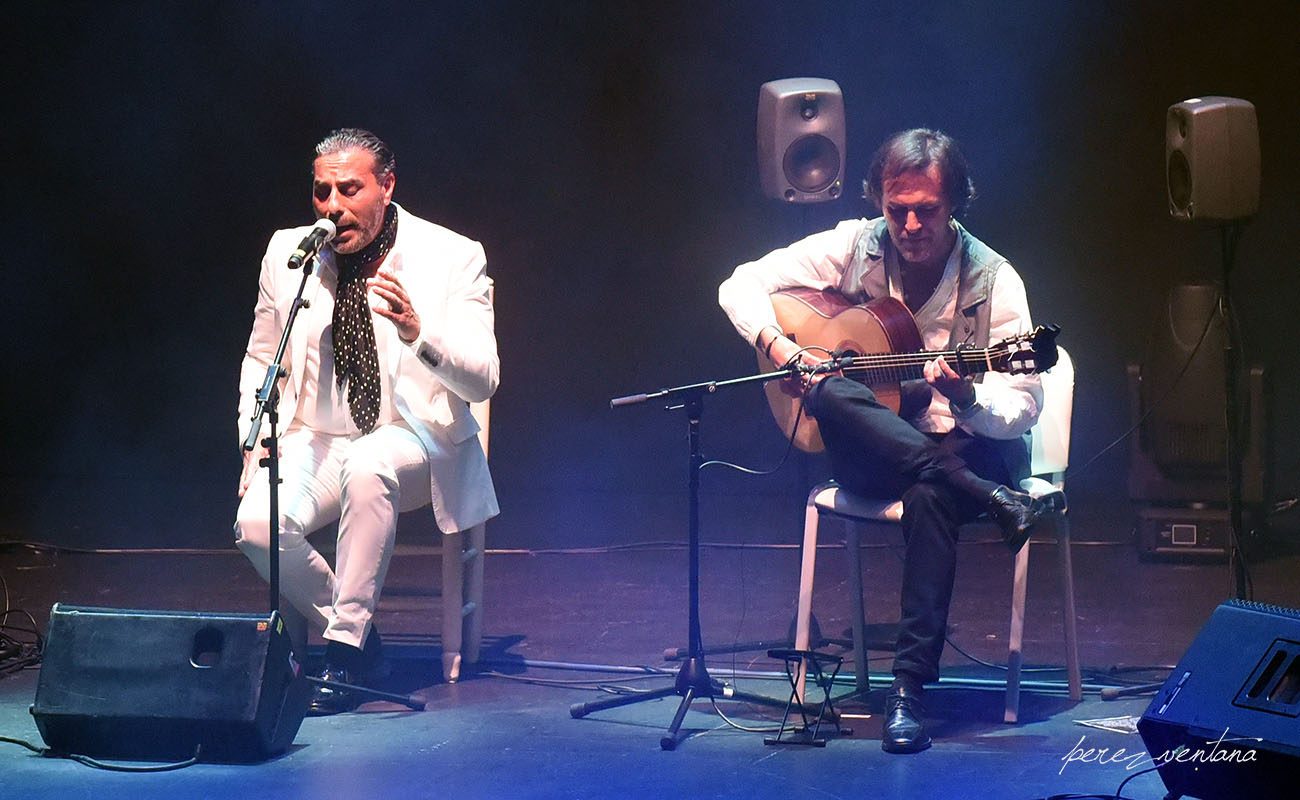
pixel 897 367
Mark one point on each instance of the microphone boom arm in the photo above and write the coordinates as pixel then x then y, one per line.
pixel 707 387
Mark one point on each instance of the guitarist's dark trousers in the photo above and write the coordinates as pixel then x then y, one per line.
pixel 944 481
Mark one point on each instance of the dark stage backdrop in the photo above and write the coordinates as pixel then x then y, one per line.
pixel 604 153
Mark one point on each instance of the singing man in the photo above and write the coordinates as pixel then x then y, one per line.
pixel 395 341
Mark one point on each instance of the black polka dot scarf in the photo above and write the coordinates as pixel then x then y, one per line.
pixel 356 360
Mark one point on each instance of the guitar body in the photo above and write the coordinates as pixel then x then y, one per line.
pixel 826 319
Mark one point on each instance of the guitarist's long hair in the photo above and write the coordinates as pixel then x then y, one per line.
pixel 917 149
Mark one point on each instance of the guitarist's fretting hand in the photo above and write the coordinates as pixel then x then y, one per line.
pixel 959 391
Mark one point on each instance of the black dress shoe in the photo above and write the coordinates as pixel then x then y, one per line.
pixel 903 732
pixel 364 667
pixel 1016 513
pixel 326 699
pixel 366 663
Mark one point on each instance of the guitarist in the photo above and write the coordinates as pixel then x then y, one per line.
pixel 958 443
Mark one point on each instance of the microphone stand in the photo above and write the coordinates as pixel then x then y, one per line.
pixel 268 399
pixel 693 680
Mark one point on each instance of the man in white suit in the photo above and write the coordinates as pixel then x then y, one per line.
pixel 396 339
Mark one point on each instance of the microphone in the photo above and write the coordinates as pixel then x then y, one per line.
pixel 312 243
pixel 835 364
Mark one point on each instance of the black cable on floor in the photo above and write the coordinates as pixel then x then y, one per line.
pixel 46 752
pixel 1118 795
pixel 17 655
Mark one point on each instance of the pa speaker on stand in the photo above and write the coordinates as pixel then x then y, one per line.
pixel 1212 159
pixel 1212 174
pixel 801 140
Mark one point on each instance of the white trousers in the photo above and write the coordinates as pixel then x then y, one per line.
pixel 363 483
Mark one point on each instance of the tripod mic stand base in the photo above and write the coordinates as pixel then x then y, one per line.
pixel 411 701
pixel 693 676
pixel 692 683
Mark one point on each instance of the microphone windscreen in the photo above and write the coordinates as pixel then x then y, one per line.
pixel 327 227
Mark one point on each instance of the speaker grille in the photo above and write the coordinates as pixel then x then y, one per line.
pixel 811 163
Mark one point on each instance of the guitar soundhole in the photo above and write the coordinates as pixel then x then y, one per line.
pixel 848 349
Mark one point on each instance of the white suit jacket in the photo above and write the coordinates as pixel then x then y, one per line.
pixel 453 362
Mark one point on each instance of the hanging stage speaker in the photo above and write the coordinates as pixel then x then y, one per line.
pixel 1212 159
pixel 1226 724
pixel 801 139
pixel 163 685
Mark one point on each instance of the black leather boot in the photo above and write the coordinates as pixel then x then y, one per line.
pixel 1016 513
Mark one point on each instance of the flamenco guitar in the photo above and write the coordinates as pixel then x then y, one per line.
pixel 879 344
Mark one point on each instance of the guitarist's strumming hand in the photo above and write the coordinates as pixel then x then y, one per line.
pixel 959 391
pixel 780 349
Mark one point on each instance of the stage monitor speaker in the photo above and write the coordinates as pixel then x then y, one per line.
pixel 1226 724
pixel 1212 159
pixel 163 685
pixel 801 139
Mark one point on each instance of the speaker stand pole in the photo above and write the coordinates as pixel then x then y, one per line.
pixel 1231 351
pixel 693 680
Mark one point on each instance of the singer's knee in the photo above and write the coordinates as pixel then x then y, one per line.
pixel 253 533
pixel 365 478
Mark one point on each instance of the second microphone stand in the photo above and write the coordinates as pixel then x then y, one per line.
pixel 693 680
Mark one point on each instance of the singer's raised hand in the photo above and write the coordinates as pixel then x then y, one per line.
pixel 399 310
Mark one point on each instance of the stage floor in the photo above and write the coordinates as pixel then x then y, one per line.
pixel 564 627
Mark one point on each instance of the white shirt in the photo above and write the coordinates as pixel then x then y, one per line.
pixel 323 406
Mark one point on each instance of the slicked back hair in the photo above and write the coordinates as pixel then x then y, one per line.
pixel 341 139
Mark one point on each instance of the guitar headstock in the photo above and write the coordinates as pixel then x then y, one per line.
pixel 1027 353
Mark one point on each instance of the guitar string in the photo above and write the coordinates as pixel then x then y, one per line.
pixel 891 364
pixel 906 359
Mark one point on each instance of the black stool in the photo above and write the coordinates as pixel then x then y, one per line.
pixel 808 732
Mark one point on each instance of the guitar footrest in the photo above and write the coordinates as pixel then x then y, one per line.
pixel 809 732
